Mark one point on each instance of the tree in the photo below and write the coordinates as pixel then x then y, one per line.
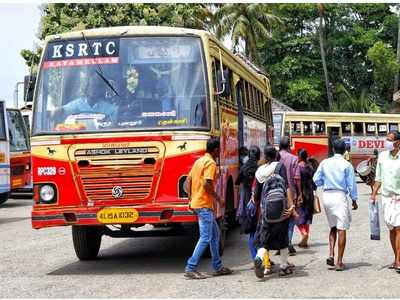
pixel 322 43
pixel 250 23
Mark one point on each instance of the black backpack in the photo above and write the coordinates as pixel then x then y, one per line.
pixel 274 197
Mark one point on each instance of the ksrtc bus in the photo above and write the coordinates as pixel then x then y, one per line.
pixel 315 131
pixel 20 155
pixel 4 155
pixel 119 117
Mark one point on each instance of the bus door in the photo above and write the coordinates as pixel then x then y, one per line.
pixel 333 134
pixel 4 156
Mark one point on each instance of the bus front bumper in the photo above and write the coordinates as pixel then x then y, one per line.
pixel 56 216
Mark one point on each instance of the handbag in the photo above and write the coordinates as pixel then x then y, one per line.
pixel 374 226
pixel 317 205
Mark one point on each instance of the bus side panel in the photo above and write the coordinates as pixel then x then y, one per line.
pixel 316 146
pixel 229 159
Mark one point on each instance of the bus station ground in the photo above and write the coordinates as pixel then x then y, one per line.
pixel 42 264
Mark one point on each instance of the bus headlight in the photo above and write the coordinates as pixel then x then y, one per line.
pixel 47 193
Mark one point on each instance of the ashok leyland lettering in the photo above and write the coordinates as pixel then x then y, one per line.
pixel 119 117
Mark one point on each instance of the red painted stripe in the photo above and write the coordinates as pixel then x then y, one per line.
pixel 68 141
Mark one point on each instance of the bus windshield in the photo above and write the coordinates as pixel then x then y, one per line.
pixel 135 83
pixel 17 131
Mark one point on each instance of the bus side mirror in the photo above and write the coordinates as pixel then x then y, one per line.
pixel 224 83
pixel 29 85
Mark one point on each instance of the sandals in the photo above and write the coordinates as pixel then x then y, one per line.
pixel 259 267
pixel 285 271
pixel 340 268
pixel 223 271
pixel 194 275
pixel 268 271
pixel 392 266
pixel 330 261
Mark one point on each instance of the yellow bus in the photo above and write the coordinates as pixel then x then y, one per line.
pixel 314 131
pixel 120 115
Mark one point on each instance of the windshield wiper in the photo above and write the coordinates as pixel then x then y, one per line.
pixel 99 71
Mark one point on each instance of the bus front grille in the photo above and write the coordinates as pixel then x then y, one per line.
pixel 117 177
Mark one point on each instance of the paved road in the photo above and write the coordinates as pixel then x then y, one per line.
pixel 42 263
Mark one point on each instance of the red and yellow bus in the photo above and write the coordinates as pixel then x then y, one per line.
pixel 314 131
pixel 119 117
pixel 20 155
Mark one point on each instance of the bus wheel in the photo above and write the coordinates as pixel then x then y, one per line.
pixel 3 197
pixel 87 240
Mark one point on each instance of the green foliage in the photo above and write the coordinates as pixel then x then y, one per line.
pixel 347 102
pixel 250 23
pixel 384 63
pixel 283 38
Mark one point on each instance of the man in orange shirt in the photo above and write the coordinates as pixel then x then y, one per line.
pixel 202 197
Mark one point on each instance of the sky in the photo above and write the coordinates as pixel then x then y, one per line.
pixel 19 25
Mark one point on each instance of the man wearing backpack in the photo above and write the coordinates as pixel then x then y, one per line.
pixel 291 164
pixel 276 201
pixel 201 192
pixel 336 176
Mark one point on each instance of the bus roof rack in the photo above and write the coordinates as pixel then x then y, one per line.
pixel 250 64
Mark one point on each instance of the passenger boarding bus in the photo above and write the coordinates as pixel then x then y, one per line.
pixel 315 131
pixel 20 155
pixel 119 117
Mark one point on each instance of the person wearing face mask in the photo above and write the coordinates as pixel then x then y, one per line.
pixel 388 177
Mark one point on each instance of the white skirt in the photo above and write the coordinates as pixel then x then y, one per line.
pixel 391 211
pixel 337 208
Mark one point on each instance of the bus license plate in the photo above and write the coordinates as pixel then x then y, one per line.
pixel 117 215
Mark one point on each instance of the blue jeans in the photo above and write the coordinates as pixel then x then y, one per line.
pixel 252 248
pixel 209 237
pixel 291 230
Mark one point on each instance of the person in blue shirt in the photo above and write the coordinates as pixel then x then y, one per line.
pixel 93 101
pixel 336 176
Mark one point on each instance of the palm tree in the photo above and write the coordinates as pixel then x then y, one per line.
pixel 322 43
pixel 348 102
pixel 249 23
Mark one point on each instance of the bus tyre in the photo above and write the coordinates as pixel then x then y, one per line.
pixel 3 197
pixel 87 240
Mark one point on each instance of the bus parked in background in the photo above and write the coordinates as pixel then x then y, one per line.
pixel 4 156
pixel 20 155
pixel 119 117
pixel 315 131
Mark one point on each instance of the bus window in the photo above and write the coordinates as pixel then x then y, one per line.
pixel 319 128
pixel 296 127
pixel 393 126
pixel 370 128
pixel 277 127
pixel 346 128
pixel 307 128
pixel 358 128
pixel 382 129
pixel 287 129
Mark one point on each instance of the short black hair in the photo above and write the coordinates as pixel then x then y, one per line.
pixel 284 143
pixel 212 144
pixel 303 155
pixel 339 146
pixel 395 134
pixel 243 150
pixel 270 153
pixel 254 153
